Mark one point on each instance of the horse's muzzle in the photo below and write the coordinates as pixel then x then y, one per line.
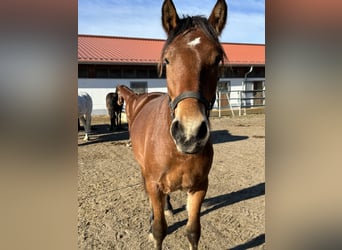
pixel 190 138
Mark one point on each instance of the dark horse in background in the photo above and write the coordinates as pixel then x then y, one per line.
pixel 114 110
pixel 170 133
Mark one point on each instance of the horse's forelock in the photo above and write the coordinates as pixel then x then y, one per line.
pixel 185 25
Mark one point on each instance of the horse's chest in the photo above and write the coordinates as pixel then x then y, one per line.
pixel 181 179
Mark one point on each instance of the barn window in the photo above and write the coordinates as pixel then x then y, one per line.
pixel 82 71
pixel 139 87
pixel 142 73
pixel 129 73
pixel 223 86
pixel 154 73
pixel 102 73
pixel 115 73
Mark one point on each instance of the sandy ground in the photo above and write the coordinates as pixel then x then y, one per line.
pixel 113 209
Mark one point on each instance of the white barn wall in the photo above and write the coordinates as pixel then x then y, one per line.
pixel 99 88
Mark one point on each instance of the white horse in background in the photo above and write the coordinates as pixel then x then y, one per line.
pixel 85 107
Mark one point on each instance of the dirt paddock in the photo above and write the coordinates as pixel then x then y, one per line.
pixel 113 209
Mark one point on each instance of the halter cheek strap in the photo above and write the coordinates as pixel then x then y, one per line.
pixel 191 94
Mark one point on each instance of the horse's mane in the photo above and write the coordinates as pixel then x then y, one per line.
pixel 130 91
pixel 185 25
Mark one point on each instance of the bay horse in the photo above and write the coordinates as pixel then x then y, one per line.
pixel 170 133
pixel 85 107
pixel 134 101
pixel 114 110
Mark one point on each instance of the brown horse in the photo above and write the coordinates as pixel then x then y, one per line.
pixel 134 101
pixel 114 110
pixel 170 132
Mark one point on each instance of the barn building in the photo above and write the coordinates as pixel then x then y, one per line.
pixel 105 62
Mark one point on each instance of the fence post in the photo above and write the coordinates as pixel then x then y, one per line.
pixel 219 104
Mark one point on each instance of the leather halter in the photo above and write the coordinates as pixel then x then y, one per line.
pixel 191 94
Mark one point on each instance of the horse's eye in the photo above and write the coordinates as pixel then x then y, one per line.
pixel 218 59
pixel 166 61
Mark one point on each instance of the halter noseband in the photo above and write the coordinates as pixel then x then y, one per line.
pixel 191 94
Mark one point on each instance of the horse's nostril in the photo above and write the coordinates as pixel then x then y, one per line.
pixel 202 131
pixel 176 129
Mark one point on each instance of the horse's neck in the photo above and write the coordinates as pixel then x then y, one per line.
pixel 126 94
pixel 140 101
pixel 132 102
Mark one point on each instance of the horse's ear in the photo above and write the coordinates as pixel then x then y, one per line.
pixel 169 16
pixel 218 16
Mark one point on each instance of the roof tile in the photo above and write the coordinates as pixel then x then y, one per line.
pixel 105 49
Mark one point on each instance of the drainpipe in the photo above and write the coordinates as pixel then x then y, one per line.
pixel 250 70
pixel 244 88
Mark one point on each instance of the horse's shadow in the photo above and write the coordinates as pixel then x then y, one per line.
pixel 101 133
pixel 231 198
pixel 220 201
pixel 222 136
pixel 252 243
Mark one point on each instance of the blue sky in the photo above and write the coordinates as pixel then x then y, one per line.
pixel 142 18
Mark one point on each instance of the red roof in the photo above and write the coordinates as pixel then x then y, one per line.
pixel 105 49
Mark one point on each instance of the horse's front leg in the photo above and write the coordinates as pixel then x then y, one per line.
pixel 84 123
pixel 193 227
pixel 88 123
pixel 119 119
pixel 112 122
pixel 168 210
pixel 158 228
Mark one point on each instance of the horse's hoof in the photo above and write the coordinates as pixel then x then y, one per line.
pixel 152 239
pixel 168 213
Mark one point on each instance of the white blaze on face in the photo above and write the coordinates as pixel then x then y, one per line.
pixel 195 42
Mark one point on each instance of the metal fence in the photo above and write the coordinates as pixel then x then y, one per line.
pixel 239 100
